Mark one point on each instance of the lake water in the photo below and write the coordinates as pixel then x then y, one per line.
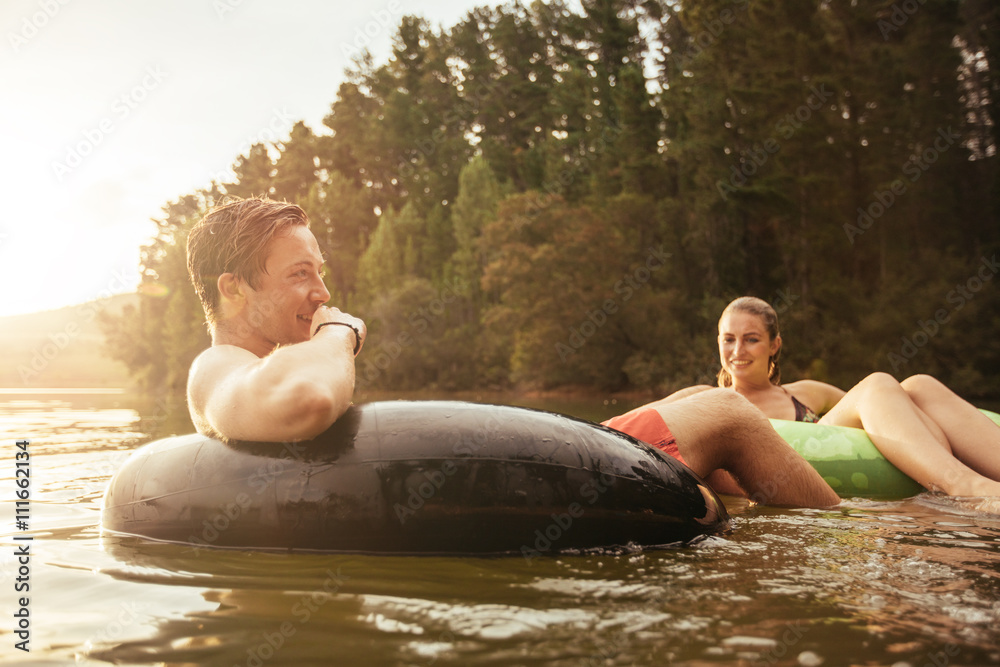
pixel 913 582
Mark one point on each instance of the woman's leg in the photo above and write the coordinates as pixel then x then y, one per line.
pixel 973 437
pixel 907 437
pixel 719 430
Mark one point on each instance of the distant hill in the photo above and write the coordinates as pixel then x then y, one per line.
pixel 61 348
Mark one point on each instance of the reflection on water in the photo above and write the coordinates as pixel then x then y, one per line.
pixel 910 583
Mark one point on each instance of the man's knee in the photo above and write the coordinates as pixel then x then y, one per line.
pixel 734 404
pixel 730 410
pixel 720 396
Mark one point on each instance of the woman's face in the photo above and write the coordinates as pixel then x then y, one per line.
pixel 745 347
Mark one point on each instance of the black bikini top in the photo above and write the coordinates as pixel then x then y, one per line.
pixel 803 413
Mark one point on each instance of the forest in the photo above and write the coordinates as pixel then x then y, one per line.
pixel 564 197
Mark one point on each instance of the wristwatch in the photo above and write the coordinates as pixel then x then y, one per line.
pixel 357 333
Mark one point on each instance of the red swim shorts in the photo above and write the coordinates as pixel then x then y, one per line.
pixel 647 425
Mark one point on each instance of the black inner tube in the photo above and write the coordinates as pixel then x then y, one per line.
pixel 417 477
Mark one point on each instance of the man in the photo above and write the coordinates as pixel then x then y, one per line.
pixel 281 365
pixel 731 444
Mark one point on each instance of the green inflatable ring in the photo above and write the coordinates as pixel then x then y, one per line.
pixel 848 460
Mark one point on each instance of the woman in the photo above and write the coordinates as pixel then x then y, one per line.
pixel 921 426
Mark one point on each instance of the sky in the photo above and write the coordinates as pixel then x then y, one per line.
pixel 112 108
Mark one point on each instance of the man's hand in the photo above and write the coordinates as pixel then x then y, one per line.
pixel 326 314
pixel 294 393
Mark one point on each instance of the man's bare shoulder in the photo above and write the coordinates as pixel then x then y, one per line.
pixel 225 353
pixel 220 358
pixel 211 376
pixel 214 366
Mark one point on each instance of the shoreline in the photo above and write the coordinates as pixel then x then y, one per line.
pixel 513 396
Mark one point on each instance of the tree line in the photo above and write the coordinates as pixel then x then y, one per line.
pixel 540 196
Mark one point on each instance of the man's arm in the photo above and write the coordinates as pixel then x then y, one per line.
pixel 684 393
pixel 294 393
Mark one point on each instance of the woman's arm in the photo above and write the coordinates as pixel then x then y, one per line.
pixel 819 396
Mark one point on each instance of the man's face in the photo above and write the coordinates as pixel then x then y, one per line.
pixel 280 310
